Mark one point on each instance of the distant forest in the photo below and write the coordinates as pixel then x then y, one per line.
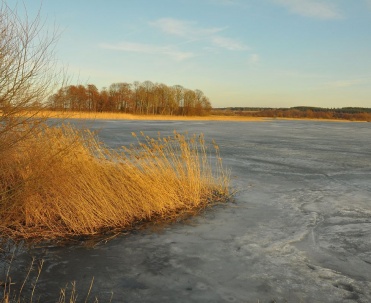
pixel 148 98
pixel 144 98
pixel 345 113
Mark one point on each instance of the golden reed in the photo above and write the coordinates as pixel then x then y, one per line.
pixel 63 182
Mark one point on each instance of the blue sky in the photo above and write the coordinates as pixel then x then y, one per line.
pixel 269 53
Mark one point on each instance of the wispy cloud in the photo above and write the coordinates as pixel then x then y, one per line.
pixel 170 51
pixel 298 74
pixel 320 9
pixel 189 31
pixel 346 83
pixel 224 2
pixel 236 4
pixel 228 43
pixel 192 32
pixel 228 2
pixel 183 28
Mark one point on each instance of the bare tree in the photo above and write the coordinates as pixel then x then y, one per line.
pixel 27 71
pixel 121 94
pixel 179 98
pixel 138 98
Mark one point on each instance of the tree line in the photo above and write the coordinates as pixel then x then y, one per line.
pixel 144 98
pixel 307 112
pixel 315 114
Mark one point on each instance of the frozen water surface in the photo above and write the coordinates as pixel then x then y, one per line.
pixel 298 231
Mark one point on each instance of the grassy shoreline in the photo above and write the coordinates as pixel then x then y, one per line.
pixel 62 182
pixel 125 116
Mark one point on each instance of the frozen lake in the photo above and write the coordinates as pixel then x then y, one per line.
pixel 298 231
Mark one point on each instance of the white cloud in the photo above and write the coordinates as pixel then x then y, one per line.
pixel 149 49
pixel 192 32
pixel 189 31
pixel 321 9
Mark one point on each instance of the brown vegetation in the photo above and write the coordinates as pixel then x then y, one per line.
pixel 26 290
pixel 60 182
pixel 145 98
pixel 348 113
pixel 310 114
pixel 126 116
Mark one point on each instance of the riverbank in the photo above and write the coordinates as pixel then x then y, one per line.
pixel 126 116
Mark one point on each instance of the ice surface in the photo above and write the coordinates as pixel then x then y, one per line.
pixel 298 231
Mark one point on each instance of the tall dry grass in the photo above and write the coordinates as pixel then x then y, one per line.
pixel 63 182
pixel 126 116
pixel 26 291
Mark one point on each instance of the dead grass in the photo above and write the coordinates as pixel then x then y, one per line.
pixel 124 116
pixel 62 182
pixel 26 291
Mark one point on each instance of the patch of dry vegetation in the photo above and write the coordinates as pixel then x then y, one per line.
pixel 26 291
pixel 125 116
pixel 62 182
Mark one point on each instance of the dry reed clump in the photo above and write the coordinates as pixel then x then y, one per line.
pixel 62 182
pixel 127 116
